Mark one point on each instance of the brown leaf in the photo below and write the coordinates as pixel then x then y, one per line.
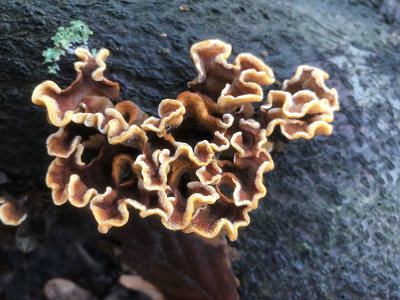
pixel 63 289
pixel 134 282
pixel 181 266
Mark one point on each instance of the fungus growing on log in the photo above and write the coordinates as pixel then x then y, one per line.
pixel 111 155
pixel 11 212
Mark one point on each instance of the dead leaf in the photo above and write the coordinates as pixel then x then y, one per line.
pixel 63 289
pixel 180 265
pixel 137 283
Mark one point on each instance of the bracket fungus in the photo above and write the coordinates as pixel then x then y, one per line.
pixel 111 155
pixel 12 213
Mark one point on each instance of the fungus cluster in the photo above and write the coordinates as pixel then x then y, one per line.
pixel 199 164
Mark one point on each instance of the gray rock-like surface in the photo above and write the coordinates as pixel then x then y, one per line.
pixel 329 226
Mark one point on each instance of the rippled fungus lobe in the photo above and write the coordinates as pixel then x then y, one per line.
pixel 199 164
pixel 11 213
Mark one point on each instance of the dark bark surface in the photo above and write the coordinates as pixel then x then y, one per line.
pixel 329 226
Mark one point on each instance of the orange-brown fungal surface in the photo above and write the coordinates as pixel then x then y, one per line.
pixel 304 107
pixel 90 92
pixel 312 79
pixel 11 213
pixel 230 85
pixel 199 164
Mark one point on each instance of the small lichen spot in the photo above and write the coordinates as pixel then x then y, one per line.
pixel 66 37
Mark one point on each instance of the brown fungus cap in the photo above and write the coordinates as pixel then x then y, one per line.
pixel 11 213
pixel 230 85
pixel 312 79
pixel 199 164
pixel 90 91
pixel 88 101
pixel 304 107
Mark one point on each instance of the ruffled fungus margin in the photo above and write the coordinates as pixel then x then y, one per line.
pixel 12 213
pixel 304 107
pixel 199 165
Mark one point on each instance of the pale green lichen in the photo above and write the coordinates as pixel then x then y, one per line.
pixel 76 34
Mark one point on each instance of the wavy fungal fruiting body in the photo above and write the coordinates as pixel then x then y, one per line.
pixel 199 164
pixel 11 212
